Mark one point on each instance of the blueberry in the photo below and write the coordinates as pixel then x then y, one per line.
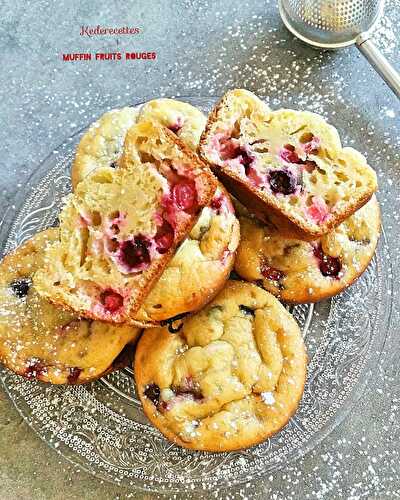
pixel 234 276
pixel 247 310
pixel 153 393
pixel 282 181
pixel 20 287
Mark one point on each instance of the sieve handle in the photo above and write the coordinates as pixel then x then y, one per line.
pixel 379 62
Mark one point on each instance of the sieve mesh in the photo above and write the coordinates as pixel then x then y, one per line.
pixel 330 23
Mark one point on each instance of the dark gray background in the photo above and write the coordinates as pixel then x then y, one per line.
pixel 204 48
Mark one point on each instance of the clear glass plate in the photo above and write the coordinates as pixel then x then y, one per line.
pixel 101 426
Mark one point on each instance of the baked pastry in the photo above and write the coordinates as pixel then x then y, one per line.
pixel 186 121
pixel 231 377
pixel 203 262
pixel 101 145
pixel 41 342
pixel 287 167
pixel 121 227
pixel 199 269
pixel 299 271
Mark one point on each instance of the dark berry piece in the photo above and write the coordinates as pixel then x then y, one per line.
pixel 74 375
pixel 188 388
pixel 329 266
pixel 176 127
pixel 184 195
pixel 164 237
pixel 170 322
pixel 135 253
pixel 271 273
pixel 228 149
pixel 35 369
pixel 113 245
pixel 247 310
pixel 234 276
pixel 289 154
pixel 113 164
pixel 196 394
pixel 246 160
pixel 216 203
pixel 20 287
pixel 153 393
pixel 115 228
pixel 112 301
pixel 282 181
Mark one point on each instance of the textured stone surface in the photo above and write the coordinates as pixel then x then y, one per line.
pixel 203 47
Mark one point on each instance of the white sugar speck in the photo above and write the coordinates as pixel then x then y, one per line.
pixel 268 398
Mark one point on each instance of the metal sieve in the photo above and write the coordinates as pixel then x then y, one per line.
pixel 333 24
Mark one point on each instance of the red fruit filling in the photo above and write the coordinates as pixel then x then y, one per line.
pixel 254 177
pixel 271 273
pixel 194 393
pixel 288 154
pixel 134 254
pixel 318 211
pixel 35 369
pixel 74 375
pixel 246 159
pixel 228 148
pixel 188 388
pixel 112 301
pixel 282 181
pixel 164 237
pixel 329 266
pixel 184 195
pixel 175 127
pixel 312 144
pixel 216 203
